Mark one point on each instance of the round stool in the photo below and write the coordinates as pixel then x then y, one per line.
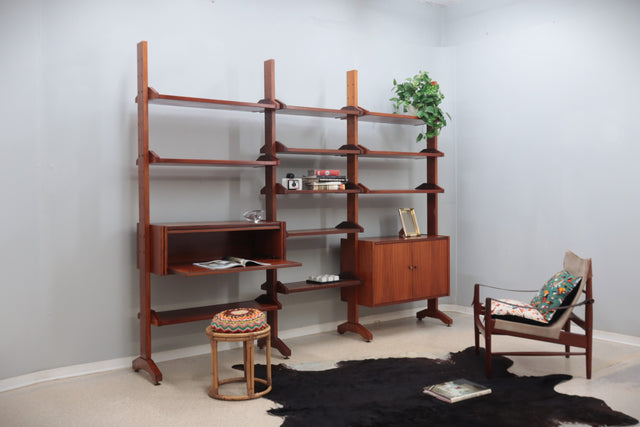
pixel 244 325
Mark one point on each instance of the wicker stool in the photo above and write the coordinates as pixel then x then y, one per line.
pixel 246 326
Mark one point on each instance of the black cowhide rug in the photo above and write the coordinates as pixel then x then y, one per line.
pixel 388 392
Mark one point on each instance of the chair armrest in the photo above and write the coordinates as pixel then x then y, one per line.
pixel 506 289
pixel 578 304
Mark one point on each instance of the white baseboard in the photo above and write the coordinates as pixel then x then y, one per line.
pixel 163 356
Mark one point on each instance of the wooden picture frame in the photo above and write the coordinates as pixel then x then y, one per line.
pixel 409 223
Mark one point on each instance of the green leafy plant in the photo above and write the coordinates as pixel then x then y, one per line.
pixel 423 94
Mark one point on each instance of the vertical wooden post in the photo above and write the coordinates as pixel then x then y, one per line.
pixel 352 140
pixel 349 248
pixel 270 140
pixel 432 199
pixel 271 210
pixel 432 309
pixel 143 238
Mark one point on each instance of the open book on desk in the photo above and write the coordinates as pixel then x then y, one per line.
pixel 229 262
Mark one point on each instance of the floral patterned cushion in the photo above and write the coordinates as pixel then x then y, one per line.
pixel 510 308
pixel 554 292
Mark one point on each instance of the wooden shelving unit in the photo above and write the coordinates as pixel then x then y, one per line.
pixel 172 248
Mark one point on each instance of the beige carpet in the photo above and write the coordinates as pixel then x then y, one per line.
pixel 126 398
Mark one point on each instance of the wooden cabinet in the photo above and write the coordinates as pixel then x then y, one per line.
pixel 396 270
pixel 176 246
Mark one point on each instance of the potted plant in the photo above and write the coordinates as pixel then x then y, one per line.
pixel 423 95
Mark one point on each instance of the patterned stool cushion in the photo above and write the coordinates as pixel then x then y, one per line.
pixel 239 320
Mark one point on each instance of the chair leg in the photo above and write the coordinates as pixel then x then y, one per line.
pixel 588 356
pixel 476 335
pixel 215 383
pixel 249 368
pixel 487 349
pixel 268 350
pixel 567 328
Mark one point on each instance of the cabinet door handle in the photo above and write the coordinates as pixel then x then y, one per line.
pixel 415 266
pixel 411 267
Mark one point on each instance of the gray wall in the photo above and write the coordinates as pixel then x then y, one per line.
pixel 546 118
pixel 68 83
pixel 539 149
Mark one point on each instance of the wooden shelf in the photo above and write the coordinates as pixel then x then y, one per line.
pixel 294 287
pixel 295 110
pixel 401 154
pixel 172 317
pixel 351 188
pixel 423 189
pixel 215 104
pixel 342 228
pixel 342 151
pixel 190 270
pixel 388 118
pixel 214 226
pixel 155 159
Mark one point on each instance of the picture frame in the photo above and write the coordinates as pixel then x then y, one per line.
pixel 409 223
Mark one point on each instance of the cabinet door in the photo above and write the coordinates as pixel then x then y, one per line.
pixel 431 269
pixel 392 273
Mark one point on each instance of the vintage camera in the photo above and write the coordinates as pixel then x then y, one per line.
pixel 291 182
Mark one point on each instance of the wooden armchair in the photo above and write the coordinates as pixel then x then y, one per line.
pixel 557 330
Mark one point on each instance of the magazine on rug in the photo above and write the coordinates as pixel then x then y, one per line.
pixel 229 262
pixel 456 390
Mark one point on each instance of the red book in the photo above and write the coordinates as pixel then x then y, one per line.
pixel 324 172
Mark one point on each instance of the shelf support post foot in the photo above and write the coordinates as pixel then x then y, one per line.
pixel 353 316
pixel 357 328
pixel 279 345
pixel 433 311
pixel 150 367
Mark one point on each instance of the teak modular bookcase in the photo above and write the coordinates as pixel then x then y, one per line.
pixel 422 268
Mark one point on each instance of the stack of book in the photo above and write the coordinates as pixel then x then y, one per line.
pixel 324 179
pixel 456 390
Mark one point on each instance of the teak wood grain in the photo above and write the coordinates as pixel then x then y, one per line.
pixel 172 248
pixel 396 270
